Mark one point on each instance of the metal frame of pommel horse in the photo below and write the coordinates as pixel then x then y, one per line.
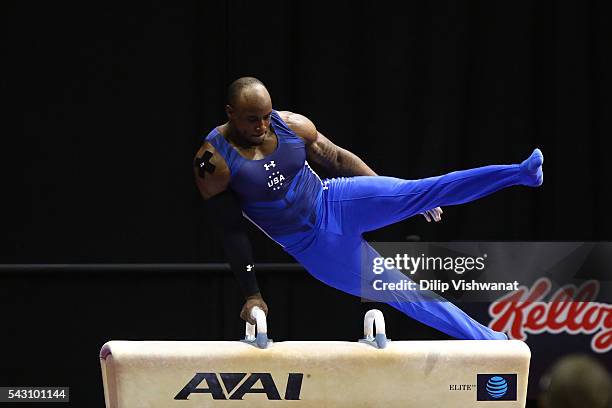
pixel 370 373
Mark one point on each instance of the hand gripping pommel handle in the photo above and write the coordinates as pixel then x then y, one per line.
pixel 374 316
pixel 257 333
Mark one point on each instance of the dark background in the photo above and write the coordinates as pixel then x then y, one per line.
pixel 106 104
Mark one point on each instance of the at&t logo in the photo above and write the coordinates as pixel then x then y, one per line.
pixel 496 387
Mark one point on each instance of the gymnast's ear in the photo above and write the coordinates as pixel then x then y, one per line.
pixel 229 111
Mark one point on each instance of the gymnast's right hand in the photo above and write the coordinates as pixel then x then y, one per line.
pixel 251 302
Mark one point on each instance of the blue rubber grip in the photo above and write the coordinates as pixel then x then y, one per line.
pixel 262 340
pixel 381 340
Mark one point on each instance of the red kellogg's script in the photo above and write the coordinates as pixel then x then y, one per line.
pixel 570 310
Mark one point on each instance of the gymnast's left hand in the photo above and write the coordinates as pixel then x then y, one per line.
pixel 434 214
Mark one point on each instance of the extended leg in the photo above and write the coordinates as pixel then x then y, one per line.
pixel 368 203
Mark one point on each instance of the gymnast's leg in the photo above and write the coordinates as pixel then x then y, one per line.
pixel 423 305
pixel 342 260
pixel 359 204
pixel 368 203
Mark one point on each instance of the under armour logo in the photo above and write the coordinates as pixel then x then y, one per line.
pixel 250 268
pixel 268 165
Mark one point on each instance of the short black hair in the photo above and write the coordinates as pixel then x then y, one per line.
pixel 236 88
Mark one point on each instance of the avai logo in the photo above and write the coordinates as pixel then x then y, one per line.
pixel 570 310
pixel 234 386
pixel 496 387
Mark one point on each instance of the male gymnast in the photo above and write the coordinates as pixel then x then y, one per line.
pixel 255 165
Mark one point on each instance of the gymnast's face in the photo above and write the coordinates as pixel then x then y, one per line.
pixel 249 115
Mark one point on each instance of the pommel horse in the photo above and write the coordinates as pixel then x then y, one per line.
pixel 372 372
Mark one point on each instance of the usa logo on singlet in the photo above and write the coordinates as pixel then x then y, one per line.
pixel 275 178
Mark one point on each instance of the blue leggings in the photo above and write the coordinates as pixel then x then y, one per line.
pixel 352 206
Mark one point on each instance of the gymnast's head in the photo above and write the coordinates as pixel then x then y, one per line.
pixel 248 110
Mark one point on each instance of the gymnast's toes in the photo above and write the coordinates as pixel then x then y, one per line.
pixel 531 169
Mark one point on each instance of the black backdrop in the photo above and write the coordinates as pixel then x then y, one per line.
pixel 106 104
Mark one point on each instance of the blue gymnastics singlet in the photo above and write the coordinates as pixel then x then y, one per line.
pixel 279 193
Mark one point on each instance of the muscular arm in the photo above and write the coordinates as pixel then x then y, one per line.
pixel 320 150
pixel 211 173
pixel 212 178
pixel 336 160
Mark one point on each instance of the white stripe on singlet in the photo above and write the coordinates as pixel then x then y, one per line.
pixel 262 230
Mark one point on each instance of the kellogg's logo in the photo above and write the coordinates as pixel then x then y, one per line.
pixel 570 310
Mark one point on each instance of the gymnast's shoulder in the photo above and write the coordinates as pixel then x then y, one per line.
pixel 300 124
pixel 212 175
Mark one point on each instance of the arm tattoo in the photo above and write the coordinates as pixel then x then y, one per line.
pixel 339 161
pixel 349 164
pixel 327 155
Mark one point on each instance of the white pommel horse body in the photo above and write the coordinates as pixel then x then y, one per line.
pixel 372 373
